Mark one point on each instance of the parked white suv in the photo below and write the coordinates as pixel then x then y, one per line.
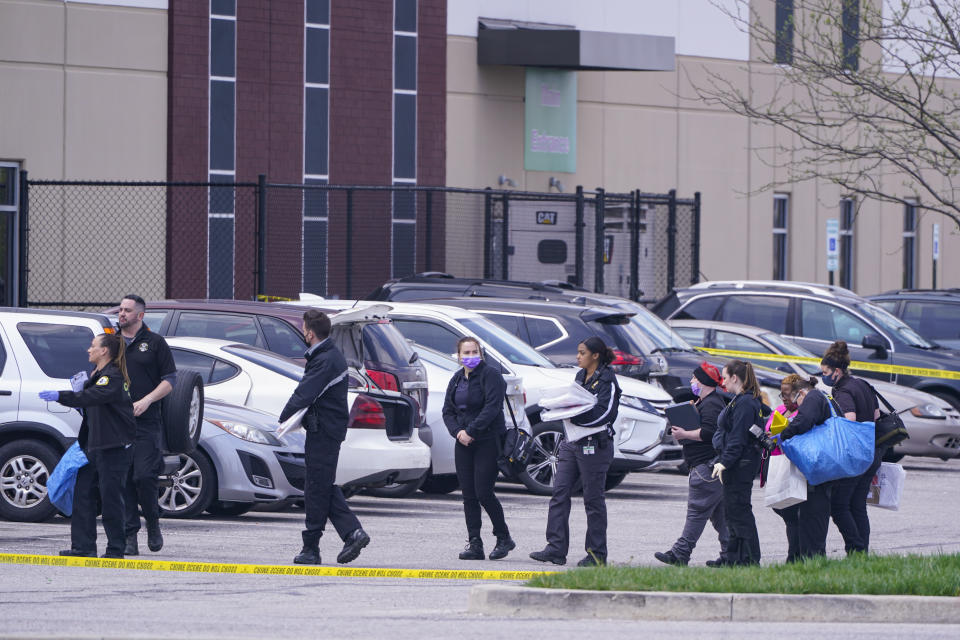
pixel 642 441
pixel 39 350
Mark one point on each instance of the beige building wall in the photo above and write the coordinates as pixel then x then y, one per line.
pixel 85 98
pixel 648 130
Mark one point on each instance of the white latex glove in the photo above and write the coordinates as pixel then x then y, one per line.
pixel 718 470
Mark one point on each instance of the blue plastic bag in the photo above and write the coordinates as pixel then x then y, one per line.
pixel 64 479
pixel 838 448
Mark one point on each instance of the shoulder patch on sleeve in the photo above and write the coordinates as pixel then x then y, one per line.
pixel 103 381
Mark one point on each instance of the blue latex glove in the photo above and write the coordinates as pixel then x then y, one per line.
pixel 50 396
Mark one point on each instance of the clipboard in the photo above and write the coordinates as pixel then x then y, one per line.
pixel 683 415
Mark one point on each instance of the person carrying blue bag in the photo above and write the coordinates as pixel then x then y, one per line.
pixel 825 447
pixel 106 436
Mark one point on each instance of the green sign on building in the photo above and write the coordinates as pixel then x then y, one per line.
pixel 550 121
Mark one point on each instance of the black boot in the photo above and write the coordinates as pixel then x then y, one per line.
pixel 473 550
pixel 504 546
pixel 154 537
pixel 131 549
pixel 308 555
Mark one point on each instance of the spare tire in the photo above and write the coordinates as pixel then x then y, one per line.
pixel 183 413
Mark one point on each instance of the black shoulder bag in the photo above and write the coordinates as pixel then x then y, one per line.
pixel 889 428
pixel 517 447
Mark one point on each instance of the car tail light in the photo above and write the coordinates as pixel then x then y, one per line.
pixel 384 380
pixel 366 413
pixel 625 358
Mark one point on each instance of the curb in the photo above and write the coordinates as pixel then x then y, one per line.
pixel 513 600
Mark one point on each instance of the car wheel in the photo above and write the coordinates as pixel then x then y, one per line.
pixel 192 487
pixel 440 484
pixel 25 468
pixel 398 489
pixel 219 508
pixel 542 467
pixel 183 413
pixel 613 480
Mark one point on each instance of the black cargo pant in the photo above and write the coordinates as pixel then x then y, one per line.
pixel 322 499
pixel 848 507
pixel 744 542
pixel 141 487
pixel 791 518
pixel 477 473
pixel 591 470
pixel 813 520
pixel 105 475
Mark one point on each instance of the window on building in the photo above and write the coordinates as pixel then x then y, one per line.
pixel 781 225
pixel 222 148
pixel 847 217
pixel 316 143
pixel 850 37
pixel 910 245
pixel 783 39
pixel 404 219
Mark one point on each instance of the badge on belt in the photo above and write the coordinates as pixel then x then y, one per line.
pixel 589 449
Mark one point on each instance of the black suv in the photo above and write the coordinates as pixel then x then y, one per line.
pixel 933 313
pixel 675 358
pixel 556 329
pixel 813 316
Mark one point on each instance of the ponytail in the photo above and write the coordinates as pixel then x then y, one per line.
pixel 117 348
pixel 744 371
pixel 594 344
pixel 837 356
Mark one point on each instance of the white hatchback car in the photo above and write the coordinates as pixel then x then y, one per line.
pixel 382 444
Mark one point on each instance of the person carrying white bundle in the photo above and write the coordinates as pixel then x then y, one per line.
pixel 585 456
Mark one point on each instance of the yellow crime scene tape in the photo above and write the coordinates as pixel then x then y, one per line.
pixel 856 364
pixel 264 569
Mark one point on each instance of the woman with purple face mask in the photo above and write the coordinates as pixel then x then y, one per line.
pixel 473 414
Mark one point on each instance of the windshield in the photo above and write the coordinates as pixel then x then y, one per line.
pixel 385 344
pixel 786 347
pixel 626 337
pixel 894 325
pixel 655 329
pixel 509 346
pixel 268 360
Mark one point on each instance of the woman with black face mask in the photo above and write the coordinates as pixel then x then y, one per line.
pixel 857 401
pixel 791 515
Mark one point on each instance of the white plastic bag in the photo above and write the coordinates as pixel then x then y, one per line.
pixel 886 489
pixel 785 486
pixel 567 401
pixel 292 423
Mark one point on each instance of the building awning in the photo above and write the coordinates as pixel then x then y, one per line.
pixel 513 43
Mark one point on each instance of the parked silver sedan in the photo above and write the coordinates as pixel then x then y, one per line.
pixel 933 424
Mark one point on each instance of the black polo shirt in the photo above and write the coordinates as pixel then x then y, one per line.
pixel 856 396
pixel 149 361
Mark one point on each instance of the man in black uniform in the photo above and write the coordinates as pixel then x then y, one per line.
pixel 152 376
pixel 323 391
pixel 705 493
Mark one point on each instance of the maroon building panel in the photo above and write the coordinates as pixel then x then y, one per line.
pixel 361 137
pixel 270 137
pixel 189 32
pixel 432 128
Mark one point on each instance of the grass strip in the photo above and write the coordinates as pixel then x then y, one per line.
pixel 915 575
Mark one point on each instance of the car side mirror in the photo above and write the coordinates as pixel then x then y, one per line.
pixel 414 357
pixel 875 342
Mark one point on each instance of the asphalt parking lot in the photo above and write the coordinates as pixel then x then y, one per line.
pixel 426 532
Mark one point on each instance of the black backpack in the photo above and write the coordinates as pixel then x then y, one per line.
pixel 517 447
pixel 889 428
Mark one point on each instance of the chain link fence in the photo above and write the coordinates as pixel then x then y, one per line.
pixel 88 243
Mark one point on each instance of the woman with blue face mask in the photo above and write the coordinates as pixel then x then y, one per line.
pixel 857 401
pixel 473 414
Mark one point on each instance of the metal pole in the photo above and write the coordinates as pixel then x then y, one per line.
pixel 261 270
pixel 635 246
pixel 429 231
pixel 695 258
pixel 830 281
pixel 505 254
pixel 487 235
pixel 672 240
pixel 578 251
pixel 598 238
pixel 934 273
pixel 23 226
pixel 349 269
